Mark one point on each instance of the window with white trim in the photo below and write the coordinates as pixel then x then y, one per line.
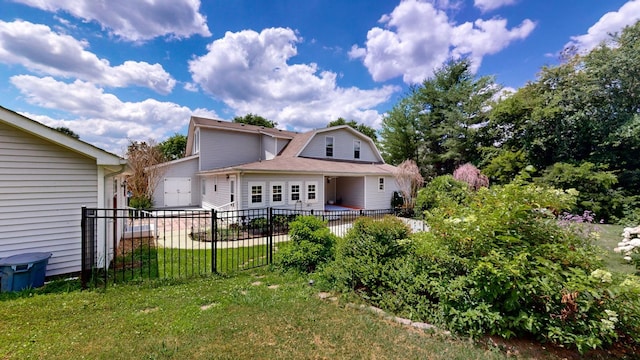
pixel 328 146
pixel 256 194
pixel 381 184
pixel 312 191
pixel 203 183
pixel 295 189
pixel 196 141
pixel 277 193
pixel 356 149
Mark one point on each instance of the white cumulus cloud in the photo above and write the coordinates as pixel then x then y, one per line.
pixel 101 118
pixel 488 5
pixel 135 20
pixel 419 38
pixel 610 23
pixel 40 49
pixel 250 72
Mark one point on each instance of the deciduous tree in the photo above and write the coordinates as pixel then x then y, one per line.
pixel 251 119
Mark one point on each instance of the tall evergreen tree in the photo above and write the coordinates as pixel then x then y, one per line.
pixel 437 123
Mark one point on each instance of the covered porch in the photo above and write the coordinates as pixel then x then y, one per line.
pixel 344 193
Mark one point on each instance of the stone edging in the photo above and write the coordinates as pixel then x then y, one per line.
pixel 380 312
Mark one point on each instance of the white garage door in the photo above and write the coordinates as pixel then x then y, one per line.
pixel 177 191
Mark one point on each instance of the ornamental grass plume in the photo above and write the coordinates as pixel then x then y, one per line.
pixel 472 176
pixel 409 180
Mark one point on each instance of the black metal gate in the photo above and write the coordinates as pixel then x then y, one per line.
pixel 125 244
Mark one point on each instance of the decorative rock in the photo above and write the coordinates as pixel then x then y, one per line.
pixel 256 283
pixel 402 321
pixel 423 326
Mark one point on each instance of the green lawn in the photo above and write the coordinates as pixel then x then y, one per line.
pixel 610 236
pixel 254 314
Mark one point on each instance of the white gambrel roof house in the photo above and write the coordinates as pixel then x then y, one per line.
pixel 45 179
pixel 231 166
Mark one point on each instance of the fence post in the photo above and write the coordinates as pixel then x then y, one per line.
pixel 270 237
pixel 214 241
pixel 83 273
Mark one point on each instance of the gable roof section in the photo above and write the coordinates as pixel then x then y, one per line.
pixel 231 126
pixel 42 131
pixel 311 134
pixel 289 161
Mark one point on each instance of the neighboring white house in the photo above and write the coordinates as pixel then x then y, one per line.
pixel 45 178
pixel 231 166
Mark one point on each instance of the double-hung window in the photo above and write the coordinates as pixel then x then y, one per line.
pixel 312 191
pixel 277 193
pixel 256 194
pixel 295 189
pixel 328 146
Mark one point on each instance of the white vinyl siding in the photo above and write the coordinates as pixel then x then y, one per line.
pixel 350 191
pixel 377 199
pixel 220 148
pixel 42 189
pixel 343 146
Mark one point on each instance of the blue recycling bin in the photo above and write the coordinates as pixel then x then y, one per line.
pixel 23 271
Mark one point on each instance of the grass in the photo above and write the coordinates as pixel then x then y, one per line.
pixel 152 263
pixel 254 314
pixel 610 236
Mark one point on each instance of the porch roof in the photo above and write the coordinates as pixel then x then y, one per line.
pixel 309 166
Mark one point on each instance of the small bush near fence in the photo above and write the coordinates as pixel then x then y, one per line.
pixel 311 244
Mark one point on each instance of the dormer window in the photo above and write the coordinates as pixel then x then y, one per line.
pixel 356 149
pixel 329 146
pixel 196 141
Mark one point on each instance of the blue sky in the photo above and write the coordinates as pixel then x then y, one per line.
pixel 120 70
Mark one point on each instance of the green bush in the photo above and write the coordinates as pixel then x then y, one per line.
pixel 505 165
pixel 141 203
pixel 311 244
pixel 441 190
pixel 498 263
pixel 259 223
pixel 365 256
pixel 594 185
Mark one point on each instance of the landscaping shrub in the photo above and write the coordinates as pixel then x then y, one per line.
pixel 595 188
pixel 439 191
pixel 311 244
pixel 499 263
pixel 141 202
pixel 366 256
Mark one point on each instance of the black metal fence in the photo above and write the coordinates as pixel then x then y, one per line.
pixel 124 244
